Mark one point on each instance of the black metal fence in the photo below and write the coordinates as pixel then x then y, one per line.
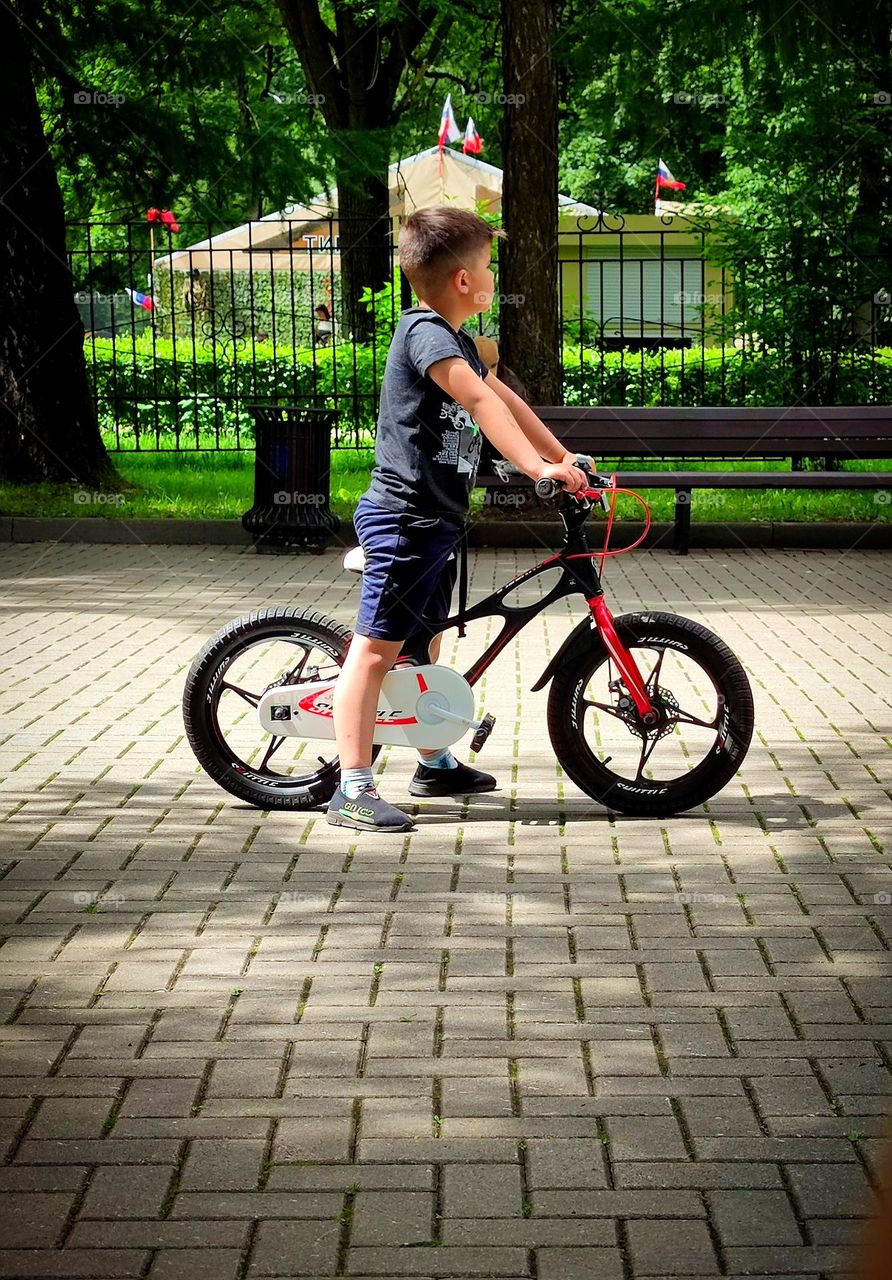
pixel 651 313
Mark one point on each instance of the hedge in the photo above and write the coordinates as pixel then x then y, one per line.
pixel 184 396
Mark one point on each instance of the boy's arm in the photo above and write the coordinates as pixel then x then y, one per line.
pixel 532 426
pixel 460 381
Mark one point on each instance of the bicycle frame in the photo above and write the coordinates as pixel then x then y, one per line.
pixel 578 575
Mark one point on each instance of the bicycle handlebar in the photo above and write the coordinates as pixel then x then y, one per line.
pixel 546 487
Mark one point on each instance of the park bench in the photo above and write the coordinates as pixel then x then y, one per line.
pixel 816 441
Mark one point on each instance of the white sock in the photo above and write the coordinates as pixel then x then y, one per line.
pixel 355 781
pixel 444 760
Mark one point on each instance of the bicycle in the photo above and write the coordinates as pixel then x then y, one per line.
pixel 617 688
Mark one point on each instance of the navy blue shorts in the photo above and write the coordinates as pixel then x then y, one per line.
pixel 409 576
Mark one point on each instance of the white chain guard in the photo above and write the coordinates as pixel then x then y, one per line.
pixel 406 710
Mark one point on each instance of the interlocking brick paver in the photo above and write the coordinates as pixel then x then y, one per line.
pixel 671 1248
pixel 526 1039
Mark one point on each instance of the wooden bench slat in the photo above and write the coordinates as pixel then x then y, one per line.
pixel 869 413
pixel 837 432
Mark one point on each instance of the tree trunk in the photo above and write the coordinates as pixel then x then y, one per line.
pixel 528 266
pixel 364 243
pixel 49 426
pixel 870 231
pixel 354 70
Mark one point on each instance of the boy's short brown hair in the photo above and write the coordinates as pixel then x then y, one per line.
pixel 439 240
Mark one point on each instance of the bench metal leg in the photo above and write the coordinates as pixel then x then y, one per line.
pixel 682 537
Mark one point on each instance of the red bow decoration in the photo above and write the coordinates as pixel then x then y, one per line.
pixel 163 216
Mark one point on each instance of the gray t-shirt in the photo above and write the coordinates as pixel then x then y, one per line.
pixel 427 446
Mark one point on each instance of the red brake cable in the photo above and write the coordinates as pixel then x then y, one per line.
pixel 614 491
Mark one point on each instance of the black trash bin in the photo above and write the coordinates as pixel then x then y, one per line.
pixel 292 473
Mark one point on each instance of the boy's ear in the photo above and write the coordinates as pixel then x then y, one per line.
pixel 460 280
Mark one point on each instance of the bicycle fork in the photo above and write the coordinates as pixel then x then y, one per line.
pixel 625 662
pixel 588 579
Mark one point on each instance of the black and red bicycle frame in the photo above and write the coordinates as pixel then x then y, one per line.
pixel 579 575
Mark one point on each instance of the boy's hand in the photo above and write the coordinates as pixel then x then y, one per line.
pixel 575 459
pixel 566 474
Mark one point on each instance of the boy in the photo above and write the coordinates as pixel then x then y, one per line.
pixel 414 511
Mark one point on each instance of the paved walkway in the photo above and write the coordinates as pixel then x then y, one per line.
pixel 525 1040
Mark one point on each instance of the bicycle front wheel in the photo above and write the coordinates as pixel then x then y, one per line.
pixel 705 718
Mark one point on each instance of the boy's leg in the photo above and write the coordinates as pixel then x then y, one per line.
pixel 356 802
pixel 356 696
pixel 438 772
pixel 431 753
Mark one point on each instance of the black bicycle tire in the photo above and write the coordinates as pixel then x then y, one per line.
pixel 199 684
pixel 650 798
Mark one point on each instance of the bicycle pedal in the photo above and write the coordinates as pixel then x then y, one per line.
pixel 484 729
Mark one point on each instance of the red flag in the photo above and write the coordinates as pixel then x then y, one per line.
pixel 164 216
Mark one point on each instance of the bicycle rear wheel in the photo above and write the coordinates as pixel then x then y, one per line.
pixel 225 683
pixel 705 707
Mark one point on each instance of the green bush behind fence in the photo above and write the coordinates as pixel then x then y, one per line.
pixel 152 394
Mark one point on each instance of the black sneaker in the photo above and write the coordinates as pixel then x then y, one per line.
pixel 368 812
pixel 460 781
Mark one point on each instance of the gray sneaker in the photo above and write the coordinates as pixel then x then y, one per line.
pixel 368 812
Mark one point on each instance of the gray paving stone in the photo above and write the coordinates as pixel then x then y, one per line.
pixel 391 1218
pixel 671 1248
pixel 449 1057
pixel 295 1249
pixel 754 1217
pixel 486 1190
pixel 34 1220
pixel 198 1264
pixel 139 1193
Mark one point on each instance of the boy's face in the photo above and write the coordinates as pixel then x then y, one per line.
pixel 476 281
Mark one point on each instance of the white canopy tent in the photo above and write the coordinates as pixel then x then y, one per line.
pixel 304 237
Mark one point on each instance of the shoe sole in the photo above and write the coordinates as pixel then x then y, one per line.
pixel 422 789
pixel 335 820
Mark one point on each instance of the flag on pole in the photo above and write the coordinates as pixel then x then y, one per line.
pixel 473 143
pixel 141 299
pixel 664 179
pixel 449 130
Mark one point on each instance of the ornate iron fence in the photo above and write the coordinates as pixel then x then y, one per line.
pixel 651 313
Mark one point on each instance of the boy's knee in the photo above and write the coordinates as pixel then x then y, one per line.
pixel 374 655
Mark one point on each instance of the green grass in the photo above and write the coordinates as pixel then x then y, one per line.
pixel 221 486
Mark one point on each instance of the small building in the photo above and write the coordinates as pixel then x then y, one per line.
pixel 624 280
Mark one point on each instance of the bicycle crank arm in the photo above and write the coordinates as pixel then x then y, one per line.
pixel 440 712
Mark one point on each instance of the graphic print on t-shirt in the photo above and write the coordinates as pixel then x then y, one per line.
pixel 461 442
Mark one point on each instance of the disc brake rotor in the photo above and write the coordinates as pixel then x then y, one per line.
pixel 664 703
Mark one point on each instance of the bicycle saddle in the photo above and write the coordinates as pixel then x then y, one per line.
pixel 354 559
